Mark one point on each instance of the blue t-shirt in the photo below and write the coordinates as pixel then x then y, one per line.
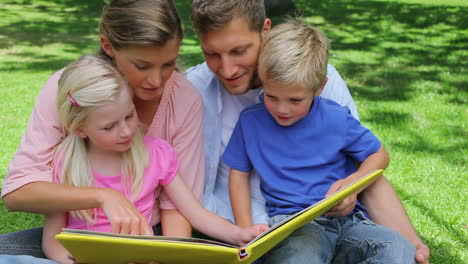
pixel 297 164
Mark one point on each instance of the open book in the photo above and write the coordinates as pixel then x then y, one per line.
pixel 103 248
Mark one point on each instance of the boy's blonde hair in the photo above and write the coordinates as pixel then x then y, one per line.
pixel 140 23
pixel 213 15
pixel 295 53
pixel 87 83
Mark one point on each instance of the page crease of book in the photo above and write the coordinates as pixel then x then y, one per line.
pixel 142 237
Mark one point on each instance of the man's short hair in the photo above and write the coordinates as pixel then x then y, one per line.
pixel 295 53
pixel 213 15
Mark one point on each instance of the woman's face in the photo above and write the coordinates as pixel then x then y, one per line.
pixel 146 68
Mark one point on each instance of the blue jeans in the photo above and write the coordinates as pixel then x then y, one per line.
pixel 22 259
pixel 350 239
pixel 24 242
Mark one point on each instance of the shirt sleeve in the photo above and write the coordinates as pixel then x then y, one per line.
pixel 235 154
pixel 32 161
pixel 189 146
pixel 360 142
pixel 336 90
pixel 166 158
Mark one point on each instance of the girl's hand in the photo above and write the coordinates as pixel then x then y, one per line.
pixel 246 234
pixel 122 214
pixel 347 205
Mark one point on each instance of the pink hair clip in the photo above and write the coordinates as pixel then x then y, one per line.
pixel 73 101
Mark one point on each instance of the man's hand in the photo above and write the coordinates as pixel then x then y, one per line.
pixel 347 205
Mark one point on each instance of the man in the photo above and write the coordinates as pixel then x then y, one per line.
pixel 231 33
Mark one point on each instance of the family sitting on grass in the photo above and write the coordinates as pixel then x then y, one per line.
pixel 96 110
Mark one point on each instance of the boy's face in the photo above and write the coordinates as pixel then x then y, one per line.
pixel 232 54
pixel 287 103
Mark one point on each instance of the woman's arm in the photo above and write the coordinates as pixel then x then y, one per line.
pixel 122 214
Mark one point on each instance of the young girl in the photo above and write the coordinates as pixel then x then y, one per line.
pixel 105 148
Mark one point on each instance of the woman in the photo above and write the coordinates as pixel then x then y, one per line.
pixel 142 39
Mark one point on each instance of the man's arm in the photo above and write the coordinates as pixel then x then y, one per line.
pixel 239 192
pixel 385 208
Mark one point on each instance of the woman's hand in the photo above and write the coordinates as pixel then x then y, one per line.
pixel 122 214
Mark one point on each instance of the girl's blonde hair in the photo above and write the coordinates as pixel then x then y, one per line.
pixel 87 83
pixel 136 23
pixel 294 53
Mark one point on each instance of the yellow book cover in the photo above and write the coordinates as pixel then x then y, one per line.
pixel 103 248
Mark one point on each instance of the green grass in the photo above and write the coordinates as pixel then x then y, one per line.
pixel 405 62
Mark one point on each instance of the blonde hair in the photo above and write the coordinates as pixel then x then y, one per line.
pixel 295 53
pixel 213 15
pixel 139 23
pixel 87 83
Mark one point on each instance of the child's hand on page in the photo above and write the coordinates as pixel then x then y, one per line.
pixel 347 205
pixel 124 217
pixel 246 234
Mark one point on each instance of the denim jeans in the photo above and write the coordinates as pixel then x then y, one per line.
pixel 22 259
pixel 24 242
pixel 350 239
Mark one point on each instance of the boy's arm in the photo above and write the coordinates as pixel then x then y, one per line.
pixel 378 160
pixel 239 192
pixel 384 208
pixel 53 250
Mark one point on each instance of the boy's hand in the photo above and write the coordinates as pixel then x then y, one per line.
pixel 347 205
pixel 246 234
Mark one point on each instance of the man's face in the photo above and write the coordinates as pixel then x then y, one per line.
pixel 232 54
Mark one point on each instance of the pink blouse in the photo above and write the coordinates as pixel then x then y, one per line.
pixel 161 170
pixel 178 120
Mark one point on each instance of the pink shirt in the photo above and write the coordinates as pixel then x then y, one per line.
pixel 162 168
pixel 178 120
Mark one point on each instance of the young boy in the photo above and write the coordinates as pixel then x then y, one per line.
pixel 304 147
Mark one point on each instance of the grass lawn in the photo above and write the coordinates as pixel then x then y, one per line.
pixel 405 62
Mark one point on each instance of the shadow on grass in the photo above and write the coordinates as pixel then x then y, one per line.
pixel 412 41
pixel 439 251
pixel 73 23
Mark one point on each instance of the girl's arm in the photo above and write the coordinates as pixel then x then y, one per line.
pixel 378 160
pixel 205 221
pixel 53 250
pixel 239 192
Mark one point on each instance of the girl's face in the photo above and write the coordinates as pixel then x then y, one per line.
pixel 111 127
pixel 146 68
